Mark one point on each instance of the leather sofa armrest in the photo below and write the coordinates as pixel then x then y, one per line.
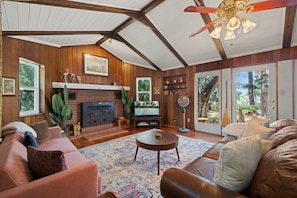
pixel 176 183
pixel 55 131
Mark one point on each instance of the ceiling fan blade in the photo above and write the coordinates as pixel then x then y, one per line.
pixel 203 28
pixel 200 9
pixel 271 4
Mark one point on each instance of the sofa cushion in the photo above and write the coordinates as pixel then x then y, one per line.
pixel 202 166
pixel 41 129
pixel 30 140
pixel 62 144
pixel 254 128
pixel 283 135
pixel 237 163
pixel 279 124
pixel 44 163
pixel 21 127
pixel 234 129
pixel 276 174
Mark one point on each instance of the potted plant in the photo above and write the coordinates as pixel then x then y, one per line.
pixel 127 103
pixel 61 110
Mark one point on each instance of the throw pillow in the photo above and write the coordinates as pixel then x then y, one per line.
pixel 267 145
pixel 8 130
pixel 254 128
pixel 283 135
pixel 235 129
pixel 261 120
pixel 43 163
pixel 21 127
pixel 41 129
pixel 276 173
pixel 30 140
pixel 237 163
pixel 279 124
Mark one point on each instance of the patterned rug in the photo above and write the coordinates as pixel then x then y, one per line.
pixel 126 178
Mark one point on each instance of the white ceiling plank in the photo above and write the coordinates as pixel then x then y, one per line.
pixel 264 37
pixel 142 37
pixel 34 16
pixel 131 4
pixel 11 12
pixel 194 50
pixel 23 14
pixel 124 53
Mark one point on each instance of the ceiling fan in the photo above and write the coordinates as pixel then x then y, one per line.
pixel 231 15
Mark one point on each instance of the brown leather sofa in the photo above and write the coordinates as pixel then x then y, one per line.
pixel 275 176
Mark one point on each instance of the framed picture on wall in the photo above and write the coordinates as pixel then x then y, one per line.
pixel 144 89
pixel 95 65
pixel 8 86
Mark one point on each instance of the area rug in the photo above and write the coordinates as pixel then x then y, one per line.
pixel 126 178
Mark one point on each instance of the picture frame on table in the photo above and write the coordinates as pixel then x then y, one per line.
pixel 8 86
pixel 95 65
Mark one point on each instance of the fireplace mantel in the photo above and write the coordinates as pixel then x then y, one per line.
pixel 89 86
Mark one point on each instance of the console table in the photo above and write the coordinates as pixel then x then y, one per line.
pixel 151 121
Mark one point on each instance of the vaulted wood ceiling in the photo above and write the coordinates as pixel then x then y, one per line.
pixel 148 33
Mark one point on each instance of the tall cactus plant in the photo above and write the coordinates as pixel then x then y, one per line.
pixel 61 110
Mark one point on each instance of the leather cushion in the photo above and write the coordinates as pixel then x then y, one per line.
pixel 283 135
pixel 276 175
pixel 203 167
pixel 281 123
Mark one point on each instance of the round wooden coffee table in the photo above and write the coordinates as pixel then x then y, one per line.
pixel 148 140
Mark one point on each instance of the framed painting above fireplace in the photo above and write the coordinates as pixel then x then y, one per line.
pixel 95 65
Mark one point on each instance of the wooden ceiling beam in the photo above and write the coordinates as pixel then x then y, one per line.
pixel 217 42
pixel 289 26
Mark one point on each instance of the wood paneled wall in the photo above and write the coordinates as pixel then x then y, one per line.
pixel 56 60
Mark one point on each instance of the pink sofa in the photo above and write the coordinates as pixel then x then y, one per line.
pixel 80 179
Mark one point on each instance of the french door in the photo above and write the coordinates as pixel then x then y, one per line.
pixel 207 105
pixel 254 92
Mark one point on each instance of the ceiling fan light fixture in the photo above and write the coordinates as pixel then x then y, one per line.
pixel 247 25
pixel 216 32
pixel 233 23
pixel 229 35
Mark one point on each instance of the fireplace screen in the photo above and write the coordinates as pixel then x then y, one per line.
pixel 97 113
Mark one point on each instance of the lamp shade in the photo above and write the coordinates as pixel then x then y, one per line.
pixel 216 32
pixel 229 35
pixel 233 23
pixel 247 25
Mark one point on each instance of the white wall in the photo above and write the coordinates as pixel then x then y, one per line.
pixel 285 89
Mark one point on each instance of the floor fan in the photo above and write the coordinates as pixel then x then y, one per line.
pixel 183 102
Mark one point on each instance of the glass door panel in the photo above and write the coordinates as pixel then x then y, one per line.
pixel 254 92
pixel 207 102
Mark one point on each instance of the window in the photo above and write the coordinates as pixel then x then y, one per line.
pixel 31 84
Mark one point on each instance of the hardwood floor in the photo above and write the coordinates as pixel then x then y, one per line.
pixel 80 142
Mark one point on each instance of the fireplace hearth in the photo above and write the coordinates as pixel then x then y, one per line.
pixel 96 113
